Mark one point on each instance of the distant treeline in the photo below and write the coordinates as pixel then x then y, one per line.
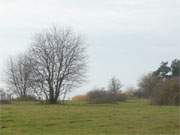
pixel 161 87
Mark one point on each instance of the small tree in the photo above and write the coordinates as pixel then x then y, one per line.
pixel 114 85
pixel 19 73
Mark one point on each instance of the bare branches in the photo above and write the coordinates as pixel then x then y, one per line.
pixel 18 75
pixel 115 85
pixel 55 64
pixel 60 62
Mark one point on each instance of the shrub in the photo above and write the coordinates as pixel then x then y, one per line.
pixel 5 97
pixel 139 93
pixel 5 101
pixel 146 85
pixel 26 98
pixel 101 96
pixel 80 98
pixel 167 92
pixel 121 96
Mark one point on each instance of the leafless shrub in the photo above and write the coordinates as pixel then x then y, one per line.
pixel 146 85
pixel 102 96
pixel 5 98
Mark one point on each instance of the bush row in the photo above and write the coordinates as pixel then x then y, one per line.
pixel 99 96
pixel 102 96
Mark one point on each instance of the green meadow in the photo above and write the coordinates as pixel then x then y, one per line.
pixel 133 117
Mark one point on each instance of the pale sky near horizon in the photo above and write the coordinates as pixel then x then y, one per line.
pixel 126 38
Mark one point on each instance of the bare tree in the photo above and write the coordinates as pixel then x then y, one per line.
pixel 114 85
pixel 59 62
pixel 18 75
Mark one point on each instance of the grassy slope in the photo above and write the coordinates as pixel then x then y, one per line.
pixel 133 117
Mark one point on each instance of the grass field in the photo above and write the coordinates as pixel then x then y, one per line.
pixel 133 117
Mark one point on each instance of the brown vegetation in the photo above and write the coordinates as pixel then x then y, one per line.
pixel 167 92
pixel 80 98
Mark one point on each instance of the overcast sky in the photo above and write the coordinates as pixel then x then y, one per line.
pixel 126 38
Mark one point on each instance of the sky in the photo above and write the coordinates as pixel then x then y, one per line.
pixel 126 38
